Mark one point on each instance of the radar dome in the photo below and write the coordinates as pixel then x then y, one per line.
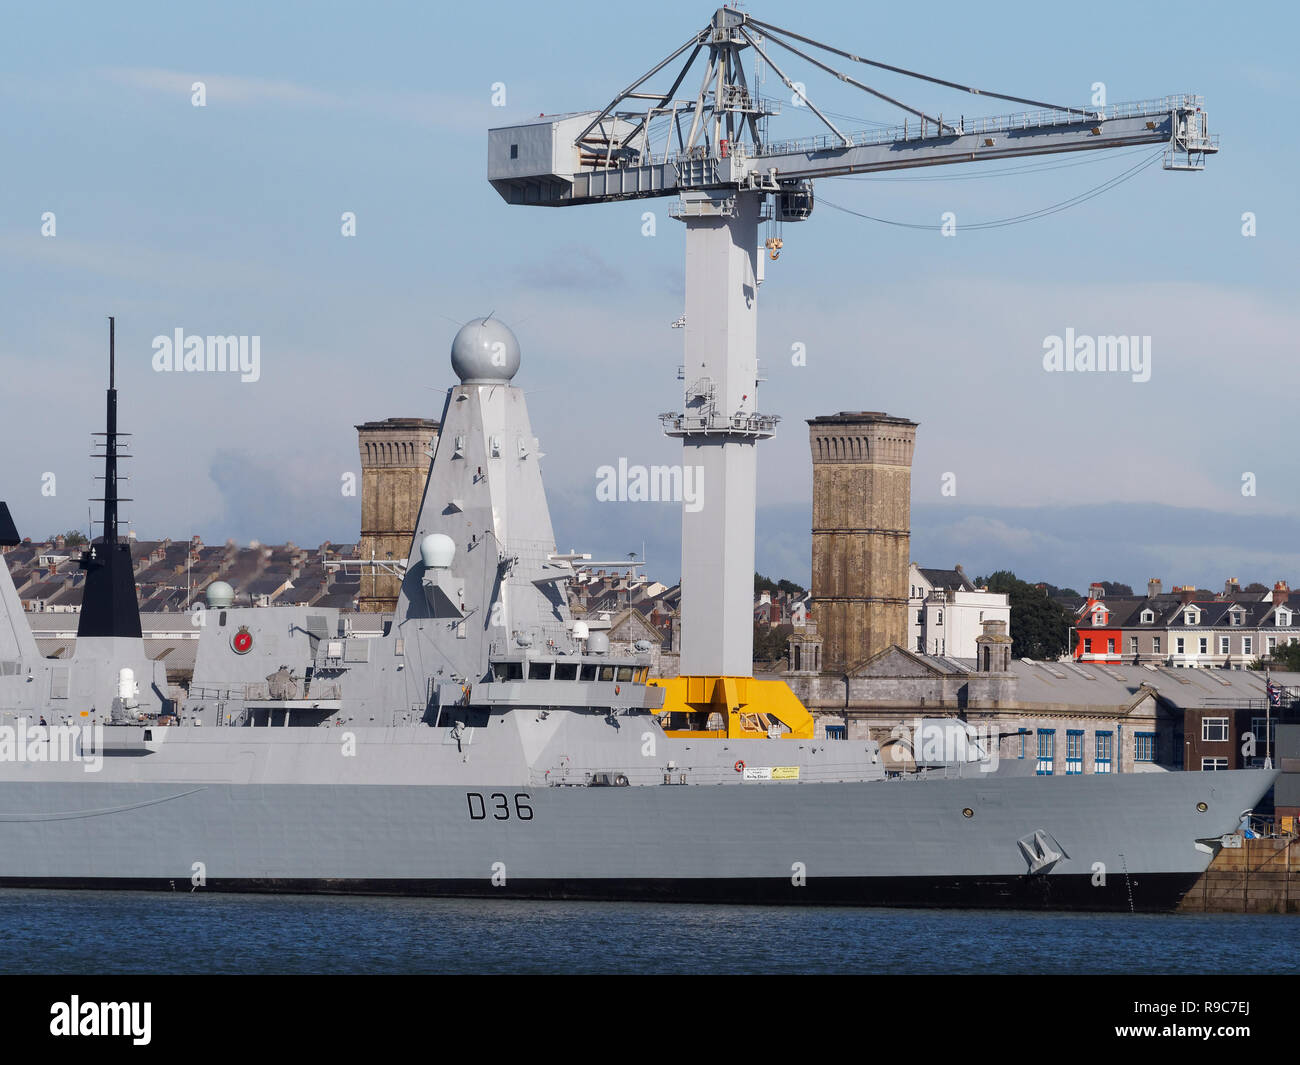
pixel 220 595
pixel 598 643
pixel 485 351
pixel 580 630
pixel 437 550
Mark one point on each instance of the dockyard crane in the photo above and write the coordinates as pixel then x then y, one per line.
pixel 728 177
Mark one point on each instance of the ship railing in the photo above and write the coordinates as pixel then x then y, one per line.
pixel 640 775
pixel 207 691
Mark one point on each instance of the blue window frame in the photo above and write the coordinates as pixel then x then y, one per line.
pixel 1046 752
pixel 1144 746
pixel 836 732
pixel 1024 733
pixel 1105 745
pixel 1073 752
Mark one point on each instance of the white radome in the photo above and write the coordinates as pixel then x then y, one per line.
pixel 485 351
pixel 437 550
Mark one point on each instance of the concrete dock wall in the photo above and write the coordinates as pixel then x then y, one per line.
pixel 1260 876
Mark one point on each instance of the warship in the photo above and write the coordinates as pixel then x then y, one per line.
pixel 489 744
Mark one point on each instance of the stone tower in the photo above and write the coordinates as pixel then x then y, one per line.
pixel 993 649
pixel 861 530
pixel 394 467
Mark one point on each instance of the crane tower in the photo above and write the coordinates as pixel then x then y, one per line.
pixel 712 152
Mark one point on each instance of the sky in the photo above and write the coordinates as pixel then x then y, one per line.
pixel 226 219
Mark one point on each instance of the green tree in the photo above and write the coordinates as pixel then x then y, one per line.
pixel 1285 659
pixel 74 538
pixel 1116 591
pixel 766 584
pixel 1040 626
pixel 770 641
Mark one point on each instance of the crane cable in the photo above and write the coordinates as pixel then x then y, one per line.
pixel 772 31
pixel 1030 216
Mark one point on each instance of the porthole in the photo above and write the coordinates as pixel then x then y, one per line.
pixel 1202 807
pixel 968 812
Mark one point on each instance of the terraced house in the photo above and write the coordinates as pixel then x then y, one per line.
pixel 1185 630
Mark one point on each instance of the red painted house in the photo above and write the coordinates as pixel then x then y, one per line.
pixel 1099 637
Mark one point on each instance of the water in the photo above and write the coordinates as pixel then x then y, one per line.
pixel 77 932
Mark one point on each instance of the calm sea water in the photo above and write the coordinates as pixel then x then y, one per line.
pixel 137 932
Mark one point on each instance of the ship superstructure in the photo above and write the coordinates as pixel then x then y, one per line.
pixel 108 676
pixel 486 744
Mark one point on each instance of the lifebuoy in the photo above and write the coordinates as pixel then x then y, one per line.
pixel 740 766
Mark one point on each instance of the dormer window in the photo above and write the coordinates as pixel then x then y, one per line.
pixel 1284 617
pixel 1236 617
pixel 1191 617
pixel 1148 617
pixel 1099 617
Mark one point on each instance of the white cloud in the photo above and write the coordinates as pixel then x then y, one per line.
pixel 439 110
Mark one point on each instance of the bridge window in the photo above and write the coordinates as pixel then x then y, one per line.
pixel 624 673
pixel 539 670
pixel 589 672
pixel 566 670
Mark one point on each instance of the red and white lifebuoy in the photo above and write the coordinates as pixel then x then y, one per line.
pixel 242 642
pixel 740 766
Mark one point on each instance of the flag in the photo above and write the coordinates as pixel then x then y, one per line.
pixel 1274 694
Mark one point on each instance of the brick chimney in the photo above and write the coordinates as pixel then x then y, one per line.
pixel 1186 593
pixel 1153 587
pixel 1231 588
pixel 1096 591
pixel 1281 594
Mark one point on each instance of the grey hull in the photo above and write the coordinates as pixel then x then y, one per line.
pixel 893 842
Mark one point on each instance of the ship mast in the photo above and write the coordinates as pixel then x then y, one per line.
pixel 109 606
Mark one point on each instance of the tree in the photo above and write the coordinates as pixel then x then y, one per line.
pixel 770 641
pixel 1114 590
pixel 73 538
pixel 1053 592
pixel 1255 586
pixel 1040 626
pixel 1285 659
pixel 766 584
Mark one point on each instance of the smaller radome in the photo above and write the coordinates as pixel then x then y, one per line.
pixel 485 351
pixel 220 595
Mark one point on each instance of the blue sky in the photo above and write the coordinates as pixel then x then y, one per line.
pixel 225 219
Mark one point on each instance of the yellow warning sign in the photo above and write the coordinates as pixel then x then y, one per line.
pixel 785 772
